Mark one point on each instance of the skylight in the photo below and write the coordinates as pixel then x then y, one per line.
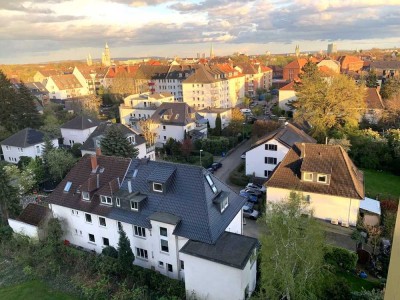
pixel 67 186
pixel 135 173
pixel 211 184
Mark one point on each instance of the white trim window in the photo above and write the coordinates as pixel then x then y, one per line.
pixel 88 218
pixel 141 253
pixel 106 242
pixel 92 238
pixel 157 187
pixel 271 147
pixel 224 204
pixel 322 178
pixel 134 206
pixel 106 200
pixel 85 196
pixel 164 240
pixel 102 222
pixel 271 160
pixel 308 176
pixel 139 231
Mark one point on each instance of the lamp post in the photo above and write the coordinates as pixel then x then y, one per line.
pixel 201 150
pixel 243 131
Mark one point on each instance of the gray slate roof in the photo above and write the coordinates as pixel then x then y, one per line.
pixel 24 138
pixel 179 113
pixel 188 196
pixel 80 123
pixel 385 64
pixel 230 249
pixel 101 129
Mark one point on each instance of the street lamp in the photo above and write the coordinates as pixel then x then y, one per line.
pixel 201 150
pixel 243 131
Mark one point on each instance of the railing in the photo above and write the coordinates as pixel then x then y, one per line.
pixel 150 148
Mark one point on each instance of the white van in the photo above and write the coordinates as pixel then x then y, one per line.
pixel 245 110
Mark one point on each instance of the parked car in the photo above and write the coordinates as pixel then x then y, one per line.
pixel 255 192
pixel 256 186
pixel 243 156
pixel 249 212
pixel 249 197
pixel 216 166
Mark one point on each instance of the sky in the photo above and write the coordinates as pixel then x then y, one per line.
pixel 50 30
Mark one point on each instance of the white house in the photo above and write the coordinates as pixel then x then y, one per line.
pixel 286 94
pixel 210 114
pixel 65 86
pixel 93 142
pixel 164 208
pixel 78 130
pixel 26 142
pixel 263 156
pixel 326 176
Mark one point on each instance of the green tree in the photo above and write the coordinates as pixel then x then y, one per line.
pixel 327 105
pixel 28 115
pixel 218 125
pixel 390 88
pixel 76 150
pixel 237 120
pixel 371 80
pixel 59 162
pixel 23 179
pixel 9 199
pixel 125 254
pixel 290 268
pixel 246 101
pixel 114 143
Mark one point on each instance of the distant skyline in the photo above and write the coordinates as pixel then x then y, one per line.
pixel 53 30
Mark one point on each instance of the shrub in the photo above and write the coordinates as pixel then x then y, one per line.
pixel 367 295
pixel 335 288
pixel 5 233
pixel 340 258
pixel 110 251
pixel 76 150
pixel 238 177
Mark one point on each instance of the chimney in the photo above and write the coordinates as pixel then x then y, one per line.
pixel 98 151
pixel 98 181
pixel 93 161
pixel 129 186
pixel 303 150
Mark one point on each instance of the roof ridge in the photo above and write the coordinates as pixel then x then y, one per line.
pixel 349 169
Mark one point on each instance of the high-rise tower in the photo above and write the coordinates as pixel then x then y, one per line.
pixel 212 52
pixel 106 57
pixel 89 61
pixel 297 51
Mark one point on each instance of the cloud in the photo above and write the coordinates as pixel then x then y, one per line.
pixel 141 3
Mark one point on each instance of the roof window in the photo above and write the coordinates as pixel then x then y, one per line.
pixel 67 186
pixel 211 184
pixel 157 187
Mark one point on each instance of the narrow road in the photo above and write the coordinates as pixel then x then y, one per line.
pixel 230 162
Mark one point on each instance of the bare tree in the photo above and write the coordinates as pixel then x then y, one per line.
pixel 147 126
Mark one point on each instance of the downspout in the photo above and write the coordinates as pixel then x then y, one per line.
pixel 348 216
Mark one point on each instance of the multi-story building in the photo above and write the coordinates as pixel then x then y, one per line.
pixel 256 76
pixel 293 69
pixel 332 49
pixel 66 86
pixel 90 77
pixel 181 221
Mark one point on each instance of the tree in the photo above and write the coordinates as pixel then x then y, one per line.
pixel 290 268
pixel 218 125
pixel 59 163
pixel 28 115
pixel 115 143
pixel 246 101
pixel 147 127
pixel 263 127
pixel 186 148
pixel 329 106
pixel 9 199
pixel 23 179
pixel 76 150
pixel 125 254
pixel 123 85
pixel 371 80
pixel 237 120
pixel 390 88
pixel 374 236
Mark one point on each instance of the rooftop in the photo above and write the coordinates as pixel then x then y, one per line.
pixel 80 123
pixel 24 138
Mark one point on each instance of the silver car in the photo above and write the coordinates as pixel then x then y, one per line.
pixel 249 212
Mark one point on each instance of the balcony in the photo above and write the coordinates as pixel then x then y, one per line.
pixel 150 148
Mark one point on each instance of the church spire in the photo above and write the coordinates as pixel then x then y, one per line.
pixel 297 51
pixel 212 52
pixel 89 61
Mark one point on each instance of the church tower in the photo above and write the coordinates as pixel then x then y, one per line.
pixel 297 50
pixel 89 61
pixel 106 57
pixel 212 52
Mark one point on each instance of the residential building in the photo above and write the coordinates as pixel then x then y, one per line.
pixel 26 142
pixel 39 91
pixel 330 65
pixel 286 94
pixel 66 86
pixel 350 63
pixel 93 142
pixel 91 77
pixel 210 114
pixel 264 155
pixel 178 218
pixel 292 70
pixel 374 105
pixel 141 106
pixel 256 76
pixel 43 75
pixel 236 83
pixel 386 69
pixel 147 76
pixel 176 120
pixel 128 72
pixel 78 130
pixel 327 178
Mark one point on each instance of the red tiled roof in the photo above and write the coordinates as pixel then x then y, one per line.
pixel 67 81
pixel 373 99
pixel 288 87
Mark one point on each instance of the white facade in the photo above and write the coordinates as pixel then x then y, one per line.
pixel 176 132
pixel 284 97
pixel 24 228
pixel 59 93
pixel 13 154
pixel 325 207
pixel 209 280
pixel 173 86
pixel 72 136
pixel 211 116
pixel 263 159
pixel 204 95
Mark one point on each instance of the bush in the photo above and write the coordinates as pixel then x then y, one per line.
pixel 335 288
pixel 238 177
pixel 110 251
pixel 5 233
pixel 367 295
pixel 340 258
pixel 76 150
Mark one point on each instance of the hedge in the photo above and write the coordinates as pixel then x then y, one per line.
pixel 340 258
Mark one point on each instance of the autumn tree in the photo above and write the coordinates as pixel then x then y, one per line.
pixel 327 105
pixel 263 127
pixel 290 268
pixel 114 143
pixel 147 127
pixel 390 88
pixel 237 120
pixel 371 80
pixel 123 84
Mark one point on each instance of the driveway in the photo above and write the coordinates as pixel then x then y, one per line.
pixel 230 162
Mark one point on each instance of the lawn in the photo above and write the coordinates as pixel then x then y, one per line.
pixel 382 184
pixel 356 283
pixel 32 290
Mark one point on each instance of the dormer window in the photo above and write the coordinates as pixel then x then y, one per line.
pixel 106 200
pixel 131 139
pixel 224 204
pixel 157 187
pixel 308 176
pixel 134 206
pixel 85 196
pixel 321 178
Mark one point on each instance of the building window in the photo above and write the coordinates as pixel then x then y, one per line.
pixel 85 196
pixel 157 187
pixel 38 149
pixel 102 221
pixel 106 200
pixel 163 231
pixel 141 253
pixel 211 184
pixel 134 206
pixel 118 202
pixel 169 267
pixel 106 242
pixel 224 204
pixel 308 176
pixel 182 265
pixel 164 246
pixel 8 147
pixel 165 138
pixel 307 198
pixel 322 178
pixel 91 238
pixel 119 224
pixel 271 147
pixel 267 173
pixel 164 127
pixel 270 160
pixel 88 218
pixel 160 264
pixel 139 231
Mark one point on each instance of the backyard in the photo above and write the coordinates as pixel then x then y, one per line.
pixel 381 184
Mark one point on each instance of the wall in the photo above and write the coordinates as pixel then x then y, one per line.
pixel 255 158
pixel 236 226
pixel 211 117
pixel 23 228
pixel 172 131
pixel 285 97
pixel 76 135
pixel 13 154
pixel 326 207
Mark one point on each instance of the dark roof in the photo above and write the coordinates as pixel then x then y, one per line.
pixel 230 249
pixel 385 64
pixel 165 218
pixel 89 145
pixel 109 169
pixel 24 138
pixel 345 179
pixel 151 72
pixel 204 74
pixel 161 175
pixel 213 110
pixel 34 214
pixel 81 123
pixel 187 196
pixel 287 135
pixel 174 113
